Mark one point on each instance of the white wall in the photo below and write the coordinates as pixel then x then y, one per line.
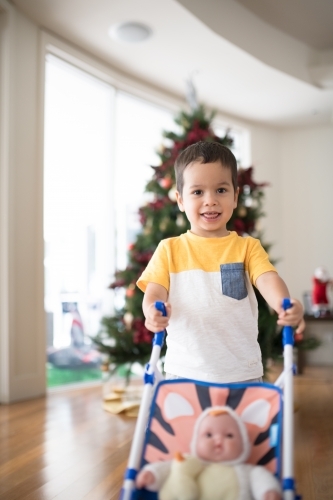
pixel 266 145
pixel 307 204
pixel 298 164
pixel 22 336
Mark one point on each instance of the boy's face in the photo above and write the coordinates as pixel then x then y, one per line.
pixel 219 439
pixel 208 198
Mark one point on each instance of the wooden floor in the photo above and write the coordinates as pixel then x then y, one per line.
pixel 66 447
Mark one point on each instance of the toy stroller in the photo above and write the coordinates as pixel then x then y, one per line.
pixel 170 408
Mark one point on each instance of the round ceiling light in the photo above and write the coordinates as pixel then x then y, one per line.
pixel 131 32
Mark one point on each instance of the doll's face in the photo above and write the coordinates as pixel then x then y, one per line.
pixel 219 439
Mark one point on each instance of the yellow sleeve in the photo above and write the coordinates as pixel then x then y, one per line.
pixel 157 270
pixel 257 261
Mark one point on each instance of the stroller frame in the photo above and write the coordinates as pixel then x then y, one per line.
pixel 151 378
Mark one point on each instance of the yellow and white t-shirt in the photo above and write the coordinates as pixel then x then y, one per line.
pixel 213 329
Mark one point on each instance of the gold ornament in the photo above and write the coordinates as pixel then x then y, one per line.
pixel 148 225
pixel 163 224
pixel 180 221
pixel 242 211
pixel 161 149
pixel 172 193
pixel 128 320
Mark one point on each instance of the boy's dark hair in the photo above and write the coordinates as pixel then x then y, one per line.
pixel 206 152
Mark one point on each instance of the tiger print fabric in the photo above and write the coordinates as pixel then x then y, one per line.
pixel 178 403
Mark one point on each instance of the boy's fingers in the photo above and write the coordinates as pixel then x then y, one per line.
pixel 301 327
pixel 157 324
pixel 295 305
pixel 168 308
pixel 287 322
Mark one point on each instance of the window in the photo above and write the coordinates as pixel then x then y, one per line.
pixel 78 222
pixel 99 145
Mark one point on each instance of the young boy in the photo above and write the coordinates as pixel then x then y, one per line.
pixel 205 278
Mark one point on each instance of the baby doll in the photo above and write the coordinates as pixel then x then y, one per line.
pixel 216 468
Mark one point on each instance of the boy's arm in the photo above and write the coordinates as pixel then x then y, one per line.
pixel 274 290
pixel 155 321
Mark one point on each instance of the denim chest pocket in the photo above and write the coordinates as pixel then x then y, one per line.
pixel 233 280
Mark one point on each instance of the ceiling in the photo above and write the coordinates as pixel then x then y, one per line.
pixel 267 61
pixel 309 21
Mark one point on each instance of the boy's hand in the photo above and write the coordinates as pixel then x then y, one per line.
pixel 293 317
pixel 155 321
pixel 272 495
pixel 144 478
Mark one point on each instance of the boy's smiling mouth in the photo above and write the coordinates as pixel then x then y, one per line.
pixel 210 215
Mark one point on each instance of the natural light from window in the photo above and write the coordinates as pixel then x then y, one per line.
pixel 99 145
pixel 78 202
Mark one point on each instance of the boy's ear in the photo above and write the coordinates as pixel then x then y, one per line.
pixel 236 197
pixel 179 201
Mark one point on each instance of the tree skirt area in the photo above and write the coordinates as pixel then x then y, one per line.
pixel 123 400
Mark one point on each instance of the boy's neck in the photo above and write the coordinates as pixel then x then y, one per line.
pixel 223 235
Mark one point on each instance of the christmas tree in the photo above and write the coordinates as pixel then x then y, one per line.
pixel 124 337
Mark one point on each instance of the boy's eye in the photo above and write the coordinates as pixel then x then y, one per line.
pixel 208 434
pixel 230 435
pixel 221 190
pixel 197 191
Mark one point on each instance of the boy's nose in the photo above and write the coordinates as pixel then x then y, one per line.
pixel 210 199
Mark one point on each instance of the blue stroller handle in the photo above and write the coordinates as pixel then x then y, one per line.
pixel 151 376
pixel 286 304
pixel 288 331
pixel 160 306
pixel 288 482
pixel 159 336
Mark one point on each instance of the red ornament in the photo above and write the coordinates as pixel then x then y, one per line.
pixel 130 292
pixel 141 334
pixel 239 226
pixel 165 182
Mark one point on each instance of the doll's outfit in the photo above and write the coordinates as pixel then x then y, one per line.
pixel 213 328
pixel 217 481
